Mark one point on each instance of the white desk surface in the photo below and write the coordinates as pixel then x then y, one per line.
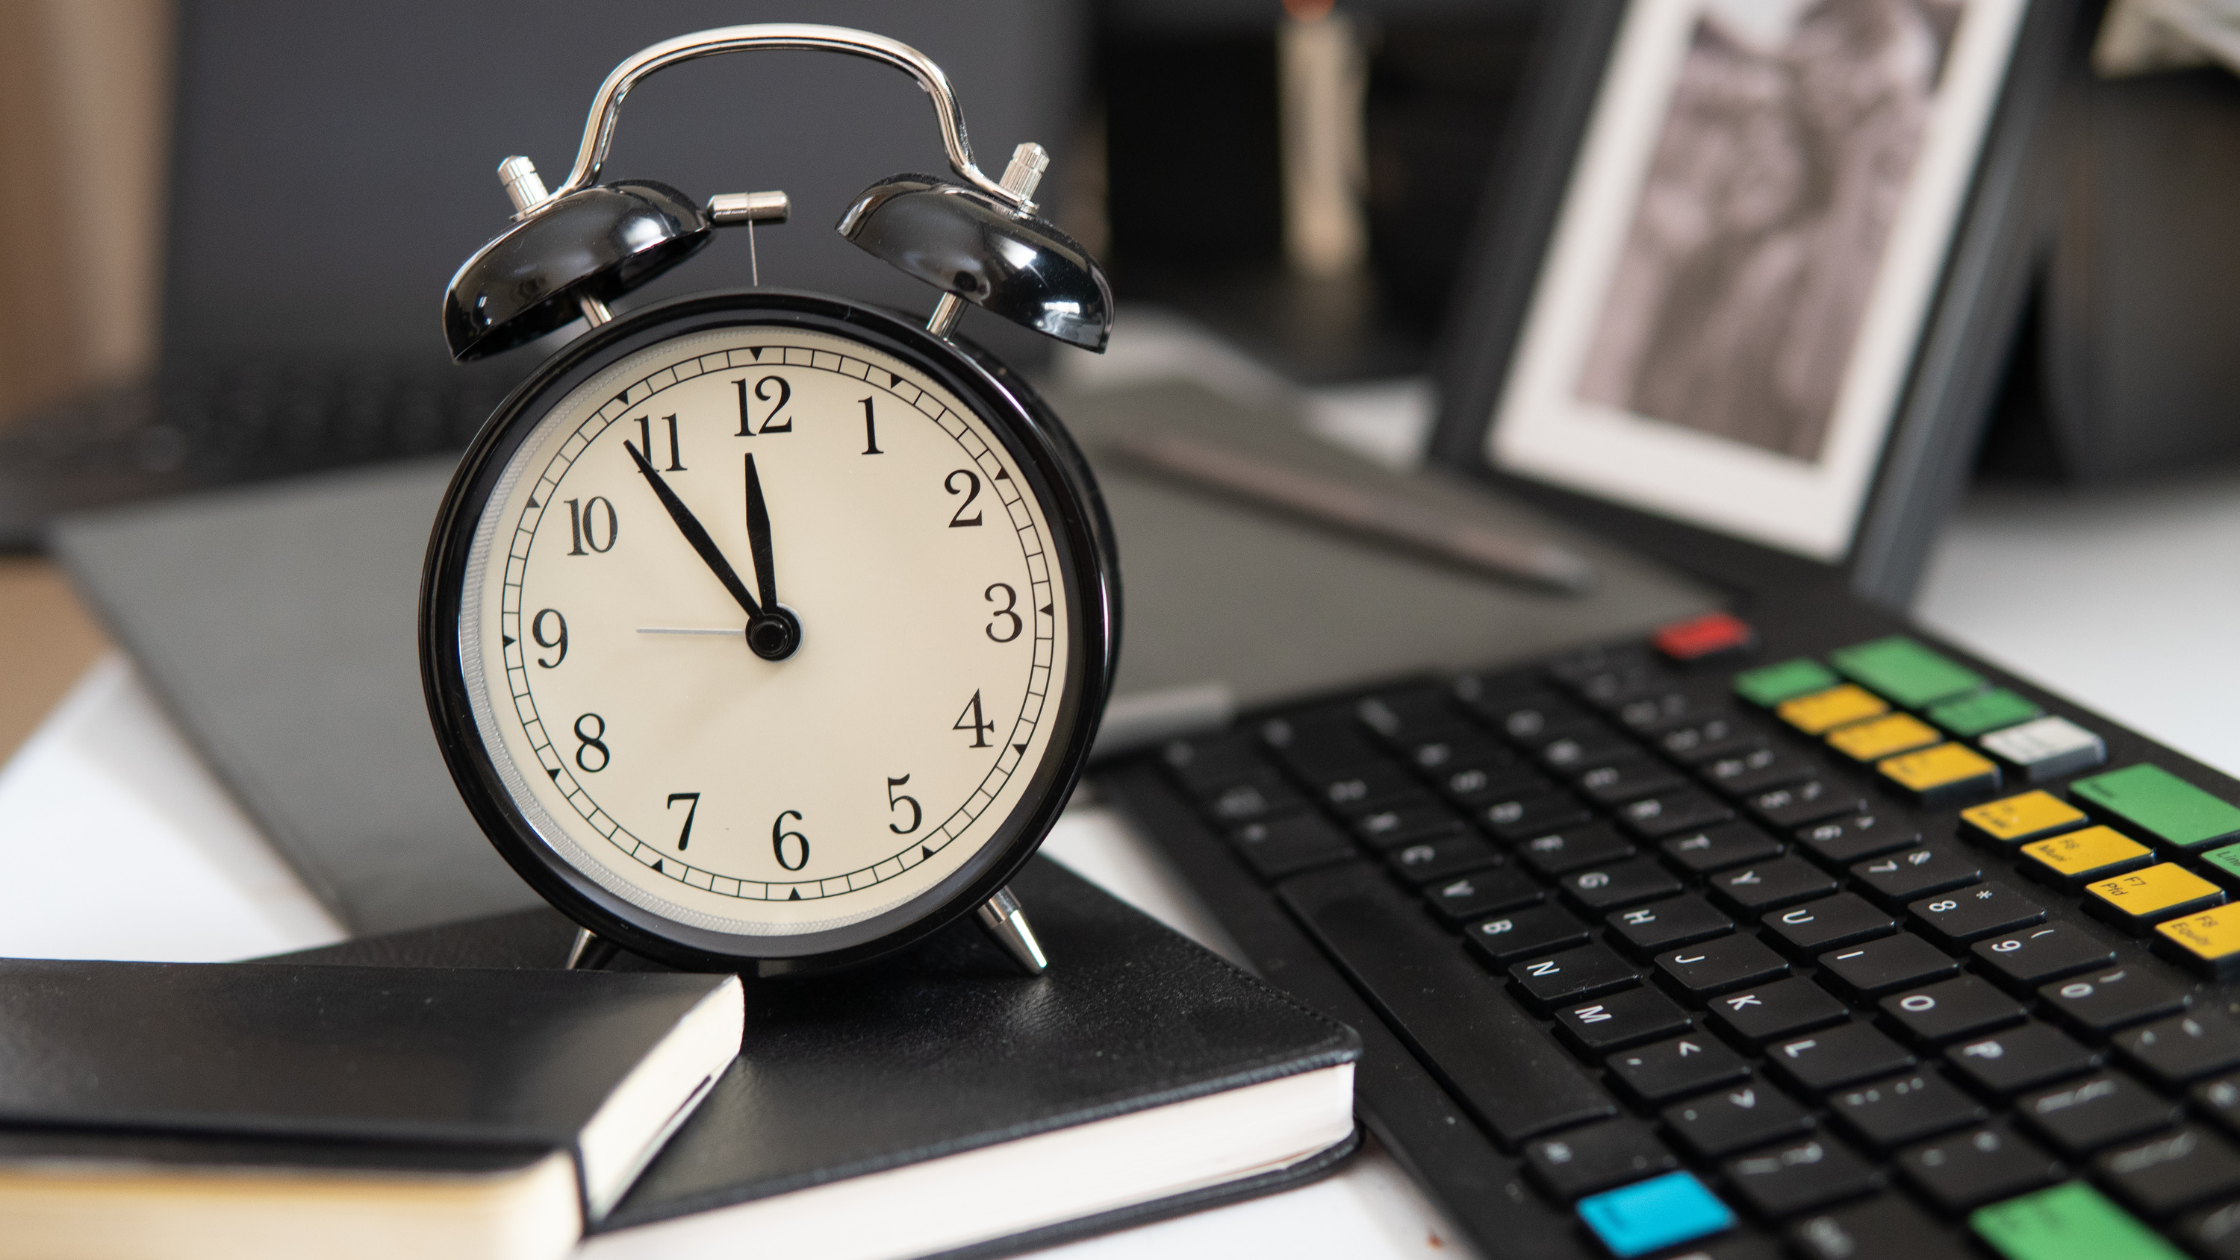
pixel 120 844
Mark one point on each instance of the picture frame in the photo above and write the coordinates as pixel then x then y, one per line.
pixel 1554 368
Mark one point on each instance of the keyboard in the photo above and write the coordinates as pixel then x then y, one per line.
pixel 1811 937
pixel 205 426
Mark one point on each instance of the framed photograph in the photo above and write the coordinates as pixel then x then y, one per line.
pixel 1756 226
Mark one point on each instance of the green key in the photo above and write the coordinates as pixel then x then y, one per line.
pixel 1905 672
pixel 1990 710
pixel 2072 1221
pixel 2159 803
pixel 1771 684
pixel 2223 864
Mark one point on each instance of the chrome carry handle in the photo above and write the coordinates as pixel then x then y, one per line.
pixel 598 130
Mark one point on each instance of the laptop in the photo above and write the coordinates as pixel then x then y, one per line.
pixel 1782 927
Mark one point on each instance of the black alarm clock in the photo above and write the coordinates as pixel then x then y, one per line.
pixel 766 630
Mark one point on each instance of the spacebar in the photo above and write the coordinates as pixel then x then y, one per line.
pixel 1500 1064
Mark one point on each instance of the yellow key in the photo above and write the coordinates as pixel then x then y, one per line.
pixel 1942 775
pixel 2019 818
pixel 2076 856
pixel 1883 737
pixel 1823 711
pixel 2156 893
pixel 2210 939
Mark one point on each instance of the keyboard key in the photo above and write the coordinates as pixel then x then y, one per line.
pixel 2083 1116
pixel 1581 747
pixel 1982 712
pixel 1794 806
pixel 1752 890
pixel 1960 1007
pixel 1655 1214
pixel 1756 769
pixel 1966 914
pixel 2222 864
pixel 1571 976
pixel 1286 846
pixel 1903 877
pixel 1750 1113
pixel 2208 941
pixel 1625 1018
pixel 1902 669
pixel 1717 848
pixel 1597 1157
pixel 2072 1221
pixel 2160 804
pixel 2115 999
pixel 2220 1101
pixel 2140 898
pixel 2015 1059
pixel 1525 934
pixel 1497 1059
pixel 2076 858
pixel 1832 1057
pixel 1450 749
pixel 1263 797
pixel 1823 711
pixel 1320 744
pixel 1715 966
pixel 1428 861
pixel 1891 962
pixel 1515 820
pixel 1204 766
pixel 1968 1170
pixel 1475 789
pixel 1572 848
pixel 1800 1176
pixel 1625 883
pixel 1480 893
pixel 1945 775
pixel 2015 819
pixel 2214 1231
pixel 2184 1048
pixel 1829 923
pixel 1780 1009
pixel 1839 842
pixel 1888 1226
pixel 1684 1065
pixel 1704 638
pixel 1366 787
pixel 1904 1108
pixel 1394 715
pixel 2028 959
pixel 2163 1175
pixel 1616 782
pixel 1769 685
pixel 1705 736
pixel 1885 736
pixel 2046 748
pixel 1682 809
pixel 1665 924
pixel 1421 819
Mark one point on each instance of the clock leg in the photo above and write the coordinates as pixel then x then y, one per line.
pixel 590 952
pixel 1006 921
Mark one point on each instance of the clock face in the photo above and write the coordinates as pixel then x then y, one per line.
pixel 836 753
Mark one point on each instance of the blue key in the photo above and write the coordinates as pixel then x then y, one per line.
pixel 1660 1212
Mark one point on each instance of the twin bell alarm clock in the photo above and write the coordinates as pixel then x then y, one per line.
pixel 767 631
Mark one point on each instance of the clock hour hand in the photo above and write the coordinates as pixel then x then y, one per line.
pixel 690 527
pixel 758 538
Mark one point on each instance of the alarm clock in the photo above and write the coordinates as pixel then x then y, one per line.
pixel 764 630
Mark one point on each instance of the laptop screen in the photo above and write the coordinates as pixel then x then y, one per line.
pixel 1746 256
pixel 333 164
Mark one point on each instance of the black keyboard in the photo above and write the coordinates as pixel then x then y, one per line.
pixel 1836 945
pixel 201 427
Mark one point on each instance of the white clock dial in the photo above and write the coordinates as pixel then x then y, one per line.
pixel 611 679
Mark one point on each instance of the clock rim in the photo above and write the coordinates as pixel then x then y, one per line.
pixel 1086 561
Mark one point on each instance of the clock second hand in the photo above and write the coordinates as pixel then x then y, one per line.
pixel 772 632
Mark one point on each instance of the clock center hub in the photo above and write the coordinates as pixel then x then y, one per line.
pixel 775 635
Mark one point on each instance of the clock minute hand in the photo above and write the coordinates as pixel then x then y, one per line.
pixel 758 538
pixel 690 527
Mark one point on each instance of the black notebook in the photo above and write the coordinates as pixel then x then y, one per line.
pixel 940 1102
pixel 245 1110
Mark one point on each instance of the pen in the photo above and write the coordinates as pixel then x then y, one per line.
pixel 1375 514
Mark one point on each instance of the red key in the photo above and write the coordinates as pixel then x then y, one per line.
pixel 1698 638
